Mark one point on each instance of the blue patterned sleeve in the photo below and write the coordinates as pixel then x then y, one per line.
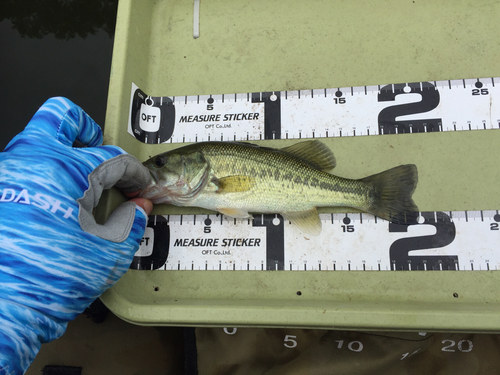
pixel 50 269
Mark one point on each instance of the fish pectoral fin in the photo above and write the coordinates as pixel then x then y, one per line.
pixel 234 184
pixel 308 221
pixel 314 152
pixel 237 213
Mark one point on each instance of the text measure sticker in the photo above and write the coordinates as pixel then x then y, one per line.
pixel 436 106
pixel 437 241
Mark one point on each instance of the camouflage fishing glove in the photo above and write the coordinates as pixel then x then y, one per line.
pixel 54 259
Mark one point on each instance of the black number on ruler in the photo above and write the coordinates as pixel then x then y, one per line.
pixel 387 117
pixel 275 240
pixel 347 228
pixel 160 241
pixel 272 113
pixel 399 251
pixel 210 105
pixel 479 92
pixel 152 118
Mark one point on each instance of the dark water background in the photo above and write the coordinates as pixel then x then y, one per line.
pixel 53 48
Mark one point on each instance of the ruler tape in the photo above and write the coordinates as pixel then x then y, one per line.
pixel 439 241
pixel 468 104
pixel 436 241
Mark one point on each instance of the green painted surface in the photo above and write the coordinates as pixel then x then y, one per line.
pixel 248 46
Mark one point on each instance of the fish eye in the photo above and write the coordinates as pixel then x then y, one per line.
pixel 160 161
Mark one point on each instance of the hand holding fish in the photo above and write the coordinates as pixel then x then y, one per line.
pixel 237 179
pixel 54 258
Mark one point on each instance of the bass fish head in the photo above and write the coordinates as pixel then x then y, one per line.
pixel 176 177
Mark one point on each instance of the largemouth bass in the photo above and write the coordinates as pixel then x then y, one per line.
pixel 237 179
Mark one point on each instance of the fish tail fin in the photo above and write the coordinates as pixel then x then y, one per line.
pixel 392 194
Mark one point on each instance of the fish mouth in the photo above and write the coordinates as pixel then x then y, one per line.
pixel 153 178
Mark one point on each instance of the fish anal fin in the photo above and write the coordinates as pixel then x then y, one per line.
pixel 237 213
pixel 234 184
pixel 308 221
pixel 314 152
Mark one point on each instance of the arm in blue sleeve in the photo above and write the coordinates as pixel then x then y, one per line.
pixel 50 268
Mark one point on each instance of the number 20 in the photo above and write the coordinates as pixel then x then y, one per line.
pixel 460 346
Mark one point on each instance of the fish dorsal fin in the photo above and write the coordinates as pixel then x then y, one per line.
pixel 234 184
pixel 308 221
pixel 314 152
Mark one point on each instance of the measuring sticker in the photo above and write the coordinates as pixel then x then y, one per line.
pixel 347 111
pixel 436 241
pixel 156 120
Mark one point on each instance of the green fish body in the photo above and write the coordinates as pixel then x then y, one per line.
pixel 237 179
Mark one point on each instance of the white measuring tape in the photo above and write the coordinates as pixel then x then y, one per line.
pixel 347 111
pixel 436 241
pixel 348 242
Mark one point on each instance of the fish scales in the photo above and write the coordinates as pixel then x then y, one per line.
pixel 283 182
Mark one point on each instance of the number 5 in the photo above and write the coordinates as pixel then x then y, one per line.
pixel 290 342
